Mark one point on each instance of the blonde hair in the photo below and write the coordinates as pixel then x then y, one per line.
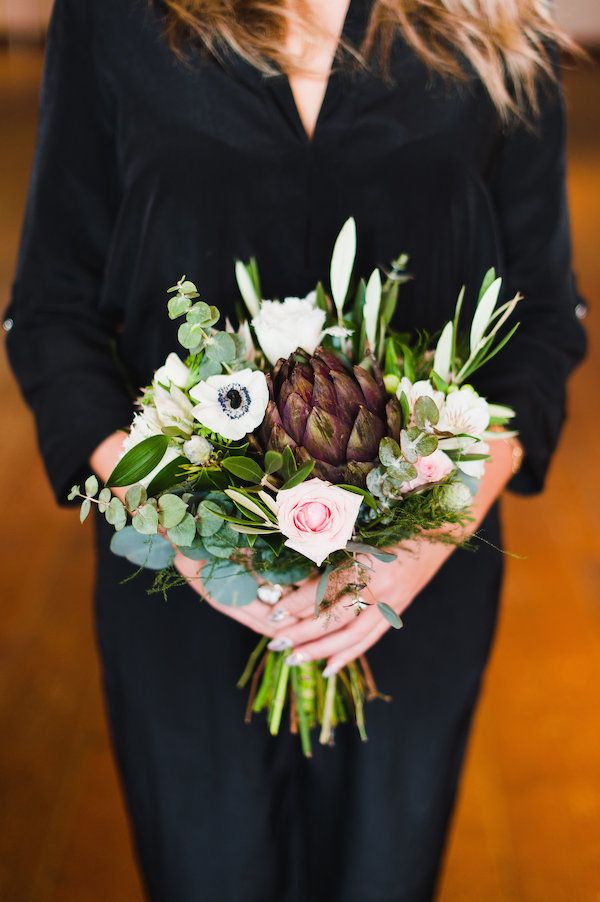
pixel 505 42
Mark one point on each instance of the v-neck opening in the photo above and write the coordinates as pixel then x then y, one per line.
pixel 284 81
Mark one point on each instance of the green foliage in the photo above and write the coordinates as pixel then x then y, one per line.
pixel 390 615
pixel 152 552
pixel 244 468
pixel 139 461
pixel 300 475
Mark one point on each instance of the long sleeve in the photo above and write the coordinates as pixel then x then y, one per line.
pixel 530 374
pixel 59 344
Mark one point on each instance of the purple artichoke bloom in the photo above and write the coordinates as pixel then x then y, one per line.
pixel 331 414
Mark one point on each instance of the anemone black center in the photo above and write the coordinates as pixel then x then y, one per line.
pixel 235 398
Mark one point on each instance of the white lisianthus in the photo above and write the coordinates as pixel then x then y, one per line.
pixel 416 390
pixel 231 405
pixel 464 411
pixel 173 407
pixel 197 449
pixel 284 326
pixel 172 372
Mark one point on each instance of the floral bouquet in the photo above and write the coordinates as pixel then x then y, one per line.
pixel 309 440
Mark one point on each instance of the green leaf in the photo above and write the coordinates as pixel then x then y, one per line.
pixel 104 500
pixel 244 468
pixel 426 445
pixel 221 347
pixel 152 552
pixel 135 496
pixel 145 520
pixel 342 263
pixel 201 314
pixel 208 368
pixel 172 509
pixel 222 543
pixel 426 411
pixel 489 277
pixel 86 506
pixel 209 518
pixel 190 335
pixel 408 362
pixel 390 615
pixel 300 475
pixel 357 490
pixel 273 462
pixel 139 461
pixel 178 305
pixel 438 382
pixel 362 548
pixel 116 514
pixel 228 584
pixel 169 477
pixel 389 451
pixel 289 463
pixel 91 486
pixel 405 408
pixel 184 532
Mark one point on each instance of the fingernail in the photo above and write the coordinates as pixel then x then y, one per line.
pixel 278 615
pixel 297 657
pixel 279 644
pixel 330 671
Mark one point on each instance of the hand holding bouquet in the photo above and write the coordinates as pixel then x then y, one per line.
pixel 309 442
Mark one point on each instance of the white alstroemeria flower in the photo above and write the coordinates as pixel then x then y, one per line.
pixel 173 407
pixel 231 405
pixel 197 449
pixel 284 326
pixel 172 372
pixel 145 423
pixel 464 411
pixel 336 332
pixel 474 468
pixel 416 390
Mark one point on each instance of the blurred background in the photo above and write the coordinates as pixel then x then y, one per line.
pixel 527 827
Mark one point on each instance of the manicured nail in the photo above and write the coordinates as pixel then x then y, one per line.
pixel 329 671
pixel 280 643
pixel 278 615
pixel 297 657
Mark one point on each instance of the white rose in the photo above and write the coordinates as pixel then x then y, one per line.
pixel 284 326
pixel 172 372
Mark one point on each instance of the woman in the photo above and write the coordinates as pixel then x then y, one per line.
pixel 171 141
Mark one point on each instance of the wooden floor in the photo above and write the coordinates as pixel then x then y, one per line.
pixel 527 827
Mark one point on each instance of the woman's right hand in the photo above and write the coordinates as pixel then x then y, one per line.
pixel 257 615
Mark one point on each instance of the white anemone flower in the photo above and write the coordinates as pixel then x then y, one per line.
pixel 172 372
pixel 231 405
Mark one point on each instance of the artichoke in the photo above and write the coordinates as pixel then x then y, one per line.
pixel 327 412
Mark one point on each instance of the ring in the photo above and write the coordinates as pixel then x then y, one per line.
pixel 278 615
pixel 269 593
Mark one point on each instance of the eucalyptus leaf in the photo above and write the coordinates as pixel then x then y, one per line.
pixel 389 451
pixel 220 347
pixel 201 314
pixel 135 496
pixel 209 518
pixel 190 335
pixel 91 486
pixel 426 411
pixel 150 551
pixel 178 305
pixel 115 513
pixel 222 543
pixel 86 506
pixel 426 445
pixel 184 532
pixel 390 615
pixel 145 520
pixel 362 548
pixel 228 584
pixel 171 510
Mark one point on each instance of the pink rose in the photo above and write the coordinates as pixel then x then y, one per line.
pixel 317 518
pixel 432 468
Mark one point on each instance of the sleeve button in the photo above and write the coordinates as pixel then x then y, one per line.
pixel 8 324
pixel 581 310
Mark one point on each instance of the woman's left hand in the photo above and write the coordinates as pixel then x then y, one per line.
pixel 343 634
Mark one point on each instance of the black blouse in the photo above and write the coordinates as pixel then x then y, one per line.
pixel 147 168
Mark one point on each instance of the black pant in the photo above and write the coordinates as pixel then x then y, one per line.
pixel 222 812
